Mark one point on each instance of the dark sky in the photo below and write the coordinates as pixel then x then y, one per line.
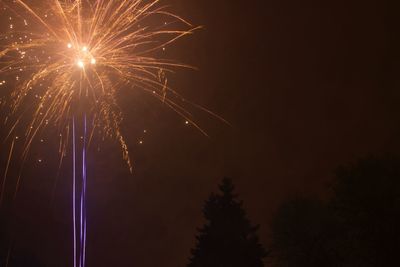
pixel 306 86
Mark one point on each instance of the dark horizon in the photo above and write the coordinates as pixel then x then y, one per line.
pixel 306 87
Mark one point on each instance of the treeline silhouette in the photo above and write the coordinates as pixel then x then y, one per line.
pixel 358 225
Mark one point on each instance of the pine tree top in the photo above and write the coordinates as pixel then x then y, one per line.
pixel 227 239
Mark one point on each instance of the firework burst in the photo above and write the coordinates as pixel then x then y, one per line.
pixel 71 57
pixel 67 59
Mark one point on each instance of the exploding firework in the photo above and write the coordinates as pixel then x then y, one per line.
pixel 67 59
pixel 71 57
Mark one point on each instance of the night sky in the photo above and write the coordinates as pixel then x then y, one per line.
pixel 305 85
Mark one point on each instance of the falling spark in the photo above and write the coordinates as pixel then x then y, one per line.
pixel 6 171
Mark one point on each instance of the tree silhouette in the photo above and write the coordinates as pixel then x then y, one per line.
pixel 367 200
pixel 357 226
pixel 304 233
pixel 227 239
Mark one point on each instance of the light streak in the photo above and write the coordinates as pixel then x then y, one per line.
pixel 83 197
pixel 74 188
pixel 79 216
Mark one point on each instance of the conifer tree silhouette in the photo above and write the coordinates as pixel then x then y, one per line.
pixel 227 239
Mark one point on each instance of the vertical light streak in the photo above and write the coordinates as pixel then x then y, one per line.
pixel 83 201
pixel 84 191
pixel 79 212
pixel 74 186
